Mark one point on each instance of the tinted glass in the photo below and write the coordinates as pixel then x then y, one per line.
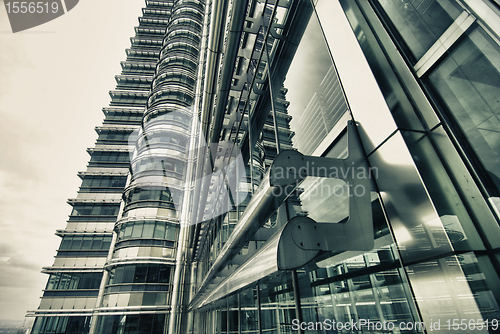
pixel 468 83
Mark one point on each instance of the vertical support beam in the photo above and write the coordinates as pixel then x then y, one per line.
pixel 296 297
pixel 259 320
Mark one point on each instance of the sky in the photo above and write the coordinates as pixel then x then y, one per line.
pixel 54 82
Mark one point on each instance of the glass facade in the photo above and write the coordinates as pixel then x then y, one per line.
pixel 301 166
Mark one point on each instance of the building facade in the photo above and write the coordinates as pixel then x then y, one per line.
pixel 309 166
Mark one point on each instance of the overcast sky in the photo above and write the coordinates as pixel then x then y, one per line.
pixel 54 81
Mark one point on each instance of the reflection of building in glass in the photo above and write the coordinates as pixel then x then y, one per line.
pixel 323 111
pixel 183 241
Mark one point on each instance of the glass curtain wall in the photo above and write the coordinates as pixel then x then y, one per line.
pixel 341 287
pixel 450 151
pixel 435 208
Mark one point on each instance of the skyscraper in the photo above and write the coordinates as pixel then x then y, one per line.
pixel 201 212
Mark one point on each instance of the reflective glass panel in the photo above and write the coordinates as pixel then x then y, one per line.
pixel 454 287
pixel 401 107
pixel 277 303
pixel 468 83
pixel 249 310
pixel 313 90
pixel 421 22
pixel 455 227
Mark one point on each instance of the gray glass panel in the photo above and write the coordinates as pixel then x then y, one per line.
pixel 417 227
pixel 277 303
pixel 366 103
pixel 401 106
pixel 470 194
pixel 249 318
pixel 468 82
pixel 457 222
pixel 447 289
pixel 148 229
pixel 421 22
pixel 233 314
pixel 316 98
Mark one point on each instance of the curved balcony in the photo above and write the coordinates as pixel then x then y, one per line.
pixel 179 76
pixel 183 63
pixel 183 99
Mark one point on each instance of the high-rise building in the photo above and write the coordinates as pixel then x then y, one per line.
pixel 309 166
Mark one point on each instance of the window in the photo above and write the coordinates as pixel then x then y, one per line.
pixel 140 273
pixel 73 281
pixel 115 136
pixel 141 194
pixel 421 23
pixel 100 183
pixel 143 324
pixel 85 243
pixel 148 229
pixel 109 157
pixel 61 325
pixel 95 210
pixel 467 82
pixel 118 116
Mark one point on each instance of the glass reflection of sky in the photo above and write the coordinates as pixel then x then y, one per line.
pixel 325 200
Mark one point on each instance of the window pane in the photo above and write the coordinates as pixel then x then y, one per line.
pixel 53 282
pixel 160 230
pixel 75 280
pixel 105 181
pixel 248 306
pixel 171 232
pixel 97 243
pixel 420 23
pixel 87 181
pixel 96 210
pixel 106 243
pixel 152 274
pixel 128 231
pixel 164 275
pixel 468 82
pixel 76 244
pixel 140 274
pixel 137 231
pixel 65 243
pixel 149 227
pixel 64 283
pixel 96 281
pixel 86 281
pixel 118 275
pixel 86 242
pixel 128 275
pixel 313 90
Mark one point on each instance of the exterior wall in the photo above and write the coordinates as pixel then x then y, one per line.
pixel 146 261
pixel 409 81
